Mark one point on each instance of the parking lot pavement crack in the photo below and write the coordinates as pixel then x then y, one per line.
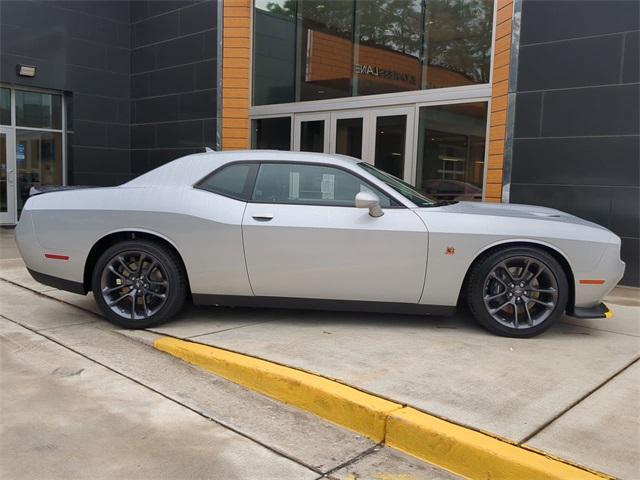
pixel 354 459
pixel 49 297
pixel 168 397
pixel 576 402
pixel 57 327
pixel 151 330
pixel 586 327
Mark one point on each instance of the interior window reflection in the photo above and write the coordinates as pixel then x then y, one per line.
pixel 38 161
pixel 271 133
pixel 451 150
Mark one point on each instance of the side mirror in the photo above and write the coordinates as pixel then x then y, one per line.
pixel 371 201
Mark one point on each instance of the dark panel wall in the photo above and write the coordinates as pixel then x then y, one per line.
pixel 577 133
pixel 81 48
pixel 139 77
pixel 173 80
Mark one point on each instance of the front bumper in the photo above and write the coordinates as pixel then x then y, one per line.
pixel 597 311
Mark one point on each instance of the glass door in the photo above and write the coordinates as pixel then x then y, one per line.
pixel 7 177
pixel 390 137
pixel 380 136
pixel 311 133
pixel 347 133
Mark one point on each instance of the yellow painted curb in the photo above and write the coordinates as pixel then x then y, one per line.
pixel 363 413
pixel 472 454
pixel 458 449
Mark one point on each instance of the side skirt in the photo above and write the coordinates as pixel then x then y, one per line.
pixel 322 304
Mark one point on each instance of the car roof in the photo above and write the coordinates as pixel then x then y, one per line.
pixel 284 155
pixel 191 168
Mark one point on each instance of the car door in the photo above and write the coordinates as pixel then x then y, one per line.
pixel 304 238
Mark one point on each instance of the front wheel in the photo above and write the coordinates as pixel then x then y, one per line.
pixel 139 283
pixel 517 291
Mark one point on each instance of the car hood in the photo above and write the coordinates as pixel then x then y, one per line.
pixel 512 210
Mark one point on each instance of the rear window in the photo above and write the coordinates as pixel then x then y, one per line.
pixel 233 181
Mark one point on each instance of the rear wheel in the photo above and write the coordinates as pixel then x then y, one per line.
pixel 517 291
pixel 139 283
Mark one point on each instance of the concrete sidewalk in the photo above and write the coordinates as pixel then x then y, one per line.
pixel 81 400
pixel 64 416
pixel 572 392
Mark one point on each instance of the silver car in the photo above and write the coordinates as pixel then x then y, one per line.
pixel 303 230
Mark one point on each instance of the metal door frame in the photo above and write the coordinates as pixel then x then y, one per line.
pixel 9 217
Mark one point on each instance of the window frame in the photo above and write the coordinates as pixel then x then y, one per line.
pixel 395 203
pixel 253 176
pixel 249 184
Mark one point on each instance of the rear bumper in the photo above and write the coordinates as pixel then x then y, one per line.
pixel 59 283
pixel 597 311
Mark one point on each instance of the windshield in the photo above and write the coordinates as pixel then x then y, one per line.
pixel 403 188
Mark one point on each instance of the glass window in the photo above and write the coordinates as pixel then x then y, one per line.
pixel 457 42
pixel 38 161
pixel 451 150
pixel 390 144
pixel 320 49
pixel 388 46
pixel 310 185
pixel 399 186
pixel 312 136
pixel 325 49
pixel 274 51
pixel 349 137
pixel 232 181
pixel 271 133
pixel 5 106
pixel 38 110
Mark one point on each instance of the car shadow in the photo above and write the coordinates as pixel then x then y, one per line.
pixel 195 320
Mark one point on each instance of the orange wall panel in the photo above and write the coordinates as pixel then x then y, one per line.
pixel 499 101
pixel 236 41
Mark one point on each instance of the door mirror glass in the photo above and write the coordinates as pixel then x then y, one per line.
pixel 371 201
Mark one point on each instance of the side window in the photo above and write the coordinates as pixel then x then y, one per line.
pixel 310 185
pixel 232 181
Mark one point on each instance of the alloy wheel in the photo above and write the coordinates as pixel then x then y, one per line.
pixel 520 292
pixel 134 285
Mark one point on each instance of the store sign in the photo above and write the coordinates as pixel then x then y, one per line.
pixel 375 71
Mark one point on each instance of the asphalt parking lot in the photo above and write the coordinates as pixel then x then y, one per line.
pixel 572 392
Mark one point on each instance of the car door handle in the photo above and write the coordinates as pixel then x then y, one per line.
pixel 263 218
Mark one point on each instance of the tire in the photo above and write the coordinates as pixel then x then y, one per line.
pixel 146 288
pixel 528 283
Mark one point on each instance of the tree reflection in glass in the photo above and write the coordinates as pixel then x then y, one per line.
pixel 364 47
pixel 458 42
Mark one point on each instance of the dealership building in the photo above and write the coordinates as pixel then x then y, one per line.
pixel 525 101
